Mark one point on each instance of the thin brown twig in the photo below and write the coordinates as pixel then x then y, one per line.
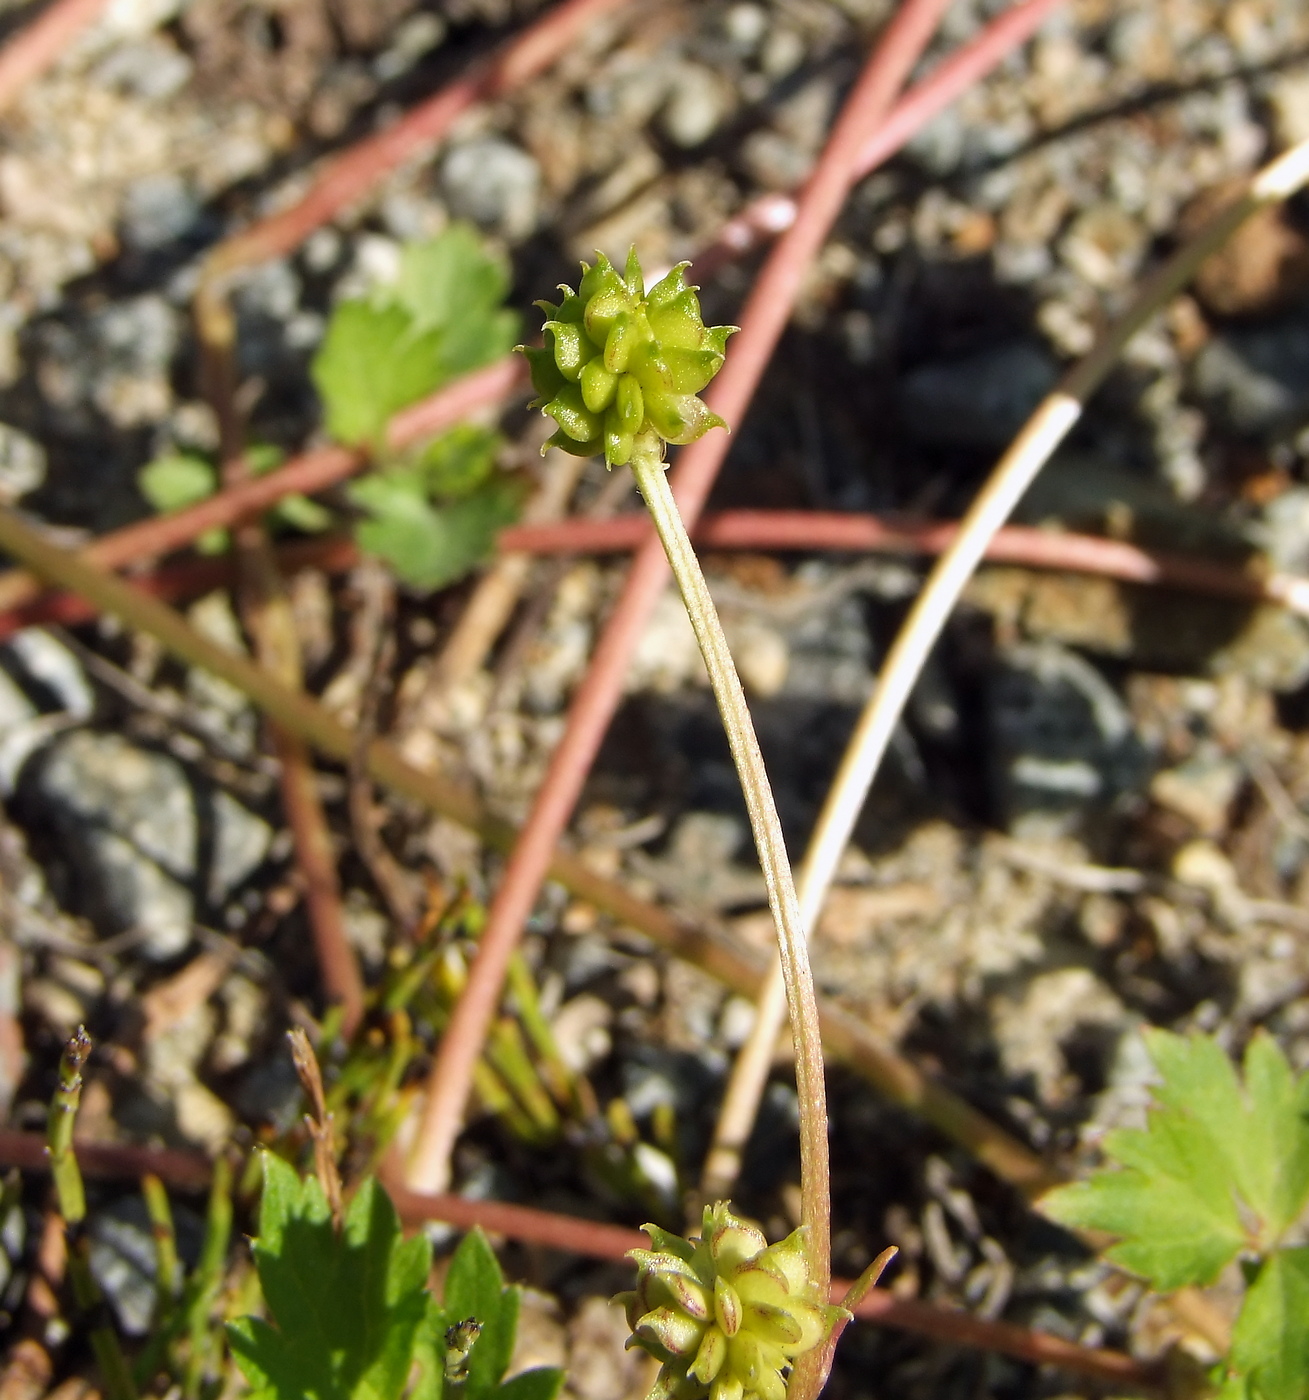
pixel 374 624
pixel 763 321
pixel 844 1035
pixel 319 1122
pixel 266 612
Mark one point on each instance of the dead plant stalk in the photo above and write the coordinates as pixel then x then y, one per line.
pixel 815 1187
pixel 1013 474
pixel 846 1036
pixel 765 316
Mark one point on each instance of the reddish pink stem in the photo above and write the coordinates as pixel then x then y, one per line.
pixel 189 1170
pixel 770 214
pixel 46 39
pixel 313 471
pixel 748 529
pixel 858 534
pixel 597 1240
pixel 766 313
pixel 351 176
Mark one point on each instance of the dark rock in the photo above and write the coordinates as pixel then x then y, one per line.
pixel 1256 381
pixel 1063 747
pixel 979 400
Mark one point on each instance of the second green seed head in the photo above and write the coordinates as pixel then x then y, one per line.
pixel 621 369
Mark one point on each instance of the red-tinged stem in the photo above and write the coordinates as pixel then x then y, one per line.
pixel 38 45
pixel 764 218
pixel 764 319
pixel 751 529
pixel 858 534
pixel 313 471
pixel 188 1170
pixel 350 176
pixel 960 1328
pixel 598 1240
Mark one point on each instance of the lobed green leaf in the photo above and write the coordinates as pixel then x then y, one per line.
pixel 1270 1342
pixel 1221 1168
pixel 347 1310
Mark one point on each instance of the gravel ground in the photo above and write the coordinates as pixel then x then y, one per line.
pixel 1066 724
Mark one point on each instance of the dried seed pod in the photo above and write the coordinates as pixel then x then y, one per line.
pixel 726 1314
pixel 621 368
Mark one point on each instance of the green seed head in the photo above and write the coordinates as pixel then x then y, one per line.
pixel 726 1314
pixel 621 368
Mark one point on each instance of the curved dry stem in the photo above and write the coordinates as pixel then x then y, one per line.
pixel 815 1198
pixel 1013 474
pixel 847 1037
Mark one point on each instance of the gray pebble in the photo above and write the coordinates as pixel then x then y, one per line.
pixel 494 183
pixel 131 825
pixel 695 106
pixel 123 1259
pixel 1062 741
pixel 1256 381
pixel 22 464
pixel 157 210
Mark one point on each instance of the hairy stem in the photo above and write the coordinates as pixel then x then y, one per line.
pixel 815 1207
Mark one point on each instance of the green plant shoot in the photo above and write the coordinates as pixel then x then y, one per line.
pixel 1220 1172
pixel 350 1316
pixel 431 515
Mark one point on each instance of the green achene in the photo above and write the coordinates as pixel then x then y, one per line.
pixel 621 368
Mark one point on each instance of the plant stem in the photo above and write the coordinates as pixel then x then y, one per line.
pixel 849 1039
pixel 815 1191
pixel 59 1129
pixel 89 1302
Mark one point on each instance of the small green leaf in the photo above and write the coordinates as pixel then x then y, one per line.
pixel 372 363
pixel 458 462
pixel 452 284
pixel 474 1288
pixel 1270 1342
pixel 177 480
pixel 429 546
pixel 1274 1138
pixel 1172 1199
pixel 540 1383
pixel 347 1310
pixel 1220 1168
pixel 300 513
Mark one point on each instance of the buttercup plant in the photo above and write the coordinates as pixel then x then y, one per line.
pixel 728 1313
pixel 620 372
pixel 621 368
